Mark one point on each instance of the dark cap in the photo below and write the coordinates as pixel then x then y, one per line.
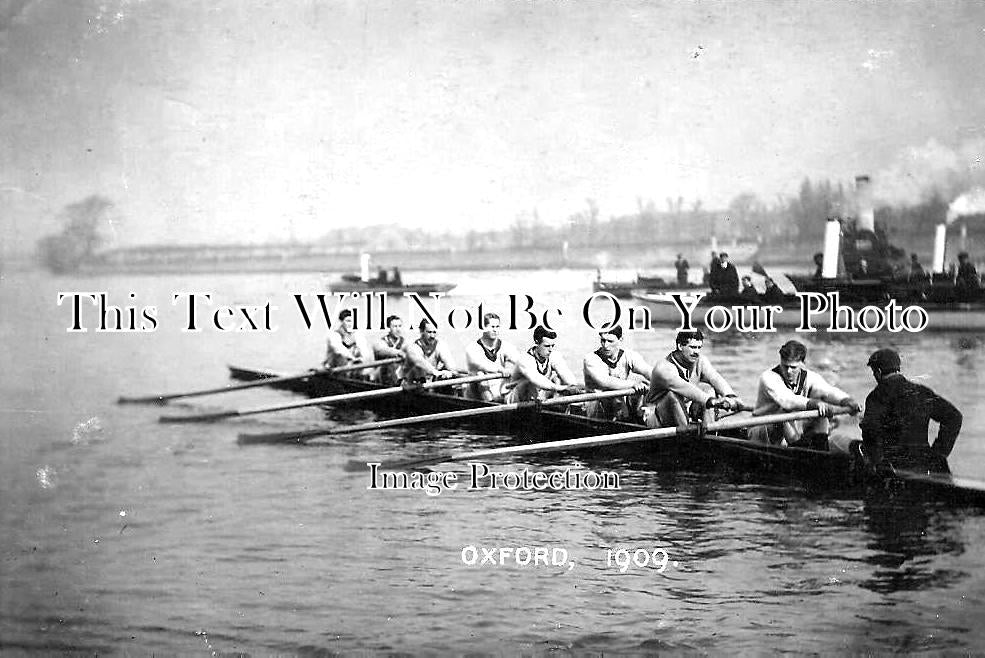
pixel 885 359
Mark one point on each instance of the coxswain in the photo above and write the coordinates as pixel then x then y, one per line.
pixel 612 367
pixel 674 398
pixel 389 346
pixel 490 354
pixel 682 266
pixel 897 418
pixel 540 372
pixel 790 386
pixel 345 347
pixel 427 358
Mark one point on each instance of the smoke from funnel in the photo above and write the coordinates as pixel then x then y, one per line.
pixel 969 203
pixel 920 171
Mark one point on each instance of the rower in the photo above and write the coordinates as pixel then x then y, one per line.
pixel 490 354
pixel 390 345
pixel 612 367
pixel 790 386
pixel 345 347
pixel 540 372
pixel 674 398
pixel 897 417
pixel 426 358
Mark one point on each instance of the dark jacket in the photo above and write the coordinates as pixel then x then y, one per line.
pixel 897 417
pixel 724 280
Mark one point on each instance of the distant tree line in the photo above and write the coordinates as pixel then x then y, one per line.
pixel 79 238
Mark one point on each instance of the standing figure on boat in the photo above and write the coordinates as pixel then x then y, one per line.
pixel 682 266
pixel 712 268
pixel 612 367
pixel 897 418
pixel 391 345
pixel 917 273
pixel 675 398
pixel 345 346
pixel 490 354
pixel 396 279
pixel 540 372
pixel 966 282
pixel 427 358
pixel 790 386
pixel 819 265
pixel 724 279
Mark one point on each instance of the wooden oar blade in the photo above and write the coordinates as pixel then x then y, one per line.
pixel 198 418
pixel 295 436
pixel 263 381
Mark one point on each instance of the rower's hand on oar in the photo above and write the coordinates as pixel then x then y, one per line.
pixel 447 374
pixel 852 405
pixel 641 387
pixel 568 389
pixel 822 408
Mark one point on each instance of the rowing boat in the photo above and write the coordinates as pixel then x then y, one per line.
pixel 819 471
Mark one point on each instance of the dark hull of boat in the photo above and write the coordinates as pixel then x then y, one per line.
pixel 419 288
pixel 730 454
pixel 624 289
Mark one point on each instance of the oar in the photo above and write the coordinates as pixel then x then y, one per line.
pixel 299 436
pixel 332 399
pixel 267 381
pixel 610 439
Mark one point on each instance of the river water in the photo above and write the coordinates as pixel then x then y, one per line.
pixel 121 534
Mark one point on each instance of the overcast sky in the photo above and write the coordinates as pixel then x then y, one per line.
pixel 234 120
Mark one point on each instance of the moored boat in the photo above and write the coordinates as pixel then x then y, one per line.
pixel 824 471
pixel 355 284
pixel 824 312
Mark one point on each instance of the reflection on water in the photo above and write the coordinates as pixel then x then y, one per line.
pixel 144 537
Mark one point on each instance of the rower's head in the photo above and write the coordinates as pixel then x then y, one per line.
pixel 395 325
pixel 689 344
pixel 884 362
pixel 490 326
pixel 963 257
pixel 544 341
pixel 723 258
pixel 793 353
pixel 429 332
pixel 611 340
pixel 346 321
pixel 747 280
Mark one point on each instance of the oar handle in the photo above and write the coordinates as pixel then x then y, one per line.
pixel 299 436
pixel 610 439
